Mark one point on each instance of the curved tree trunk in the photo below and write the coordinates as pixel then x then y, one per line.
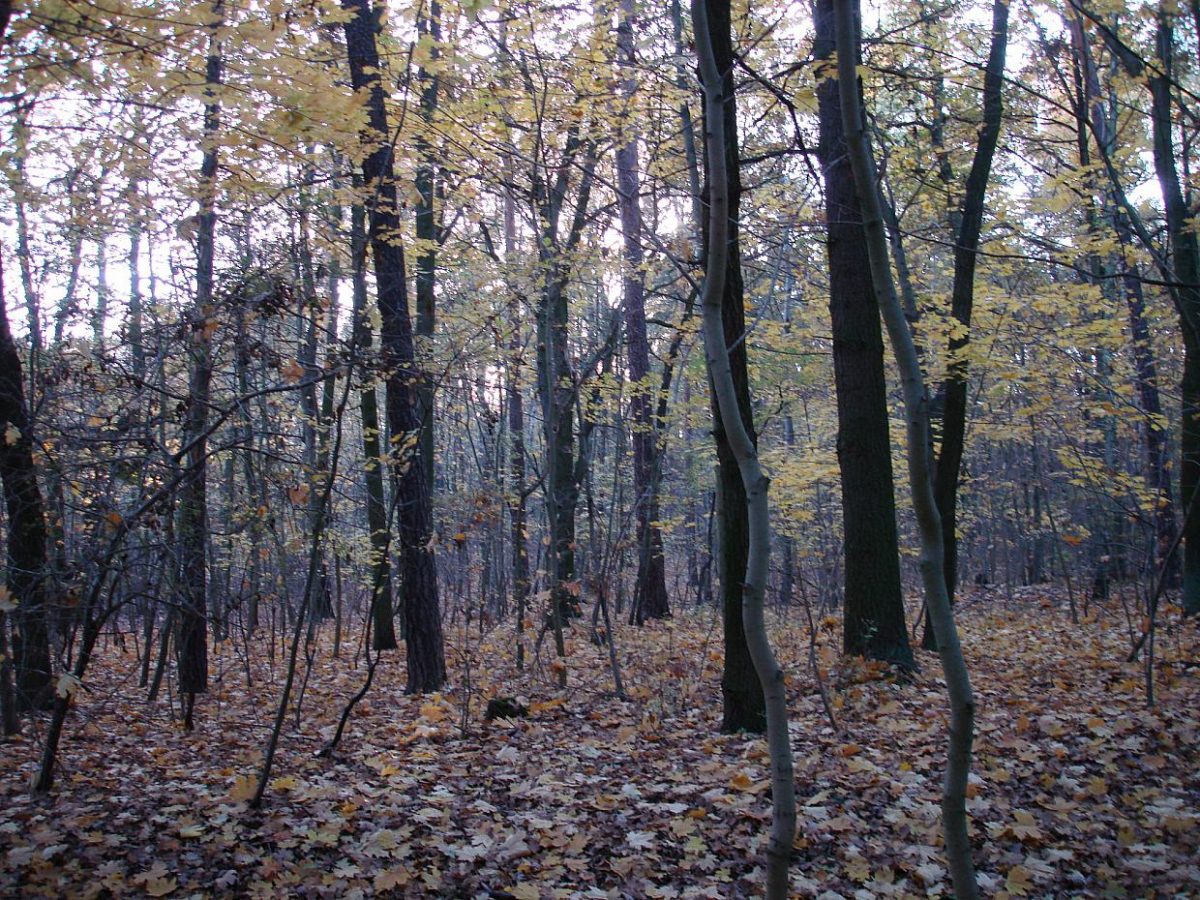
pixel 722 245
pixel 916 413
pixel 962 302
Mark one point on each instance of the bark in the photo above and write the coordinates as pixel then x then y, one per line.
pixel 874 606
pixel 192 637
pixel 650 594
pixel 916 409
pixel 743 706
pixel 1183 275
pixel 558 383
pixel 422 616
pixel 707 17
pixel 133 327
pixel 429 29
pixel 517 492
pixel 26 544
pixel 383 632
pixel 962 302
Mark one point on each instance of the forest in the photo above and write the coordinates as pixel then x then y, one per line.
pixel 745 448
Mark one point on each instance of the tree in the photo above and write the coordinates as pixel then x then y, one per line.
pixel 743 707
pixel 953 393
pixel 921 481
pixel 1182 271
pixel 422 616
pixel 721 261
pixel 192 637
pixel 650 594
pixel 874 607
pixel 24 586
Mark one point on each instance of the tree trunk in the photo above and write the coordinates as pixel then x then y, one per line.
pixel 874 606
pixel 429 32
pixel 720 131
pixel 383 635
pixel 650 594
pixel 192 638
pixel 743 707
pixel 422 613
pixel 26 563
pixel 916 411
pixel 962 302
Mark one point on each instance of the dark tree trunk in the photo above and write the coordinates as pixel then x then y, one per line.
pixel 422 613
pixel 429 28
pixel 1183 276
pixel 962 301
pixel 743 708
pixel 26 562
pixel 382 611
pixel 650 594
pixel 192 637
pixel 874 606
pixel 517 492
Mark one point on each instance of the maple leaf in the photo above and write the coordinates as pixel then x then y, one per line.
pixel 391 879
pixel 244 788
pixel 160 887
pixel 1019 881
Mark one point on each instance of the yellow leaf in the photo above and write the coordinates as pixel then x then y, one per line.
pixel 1019 881
pixel 188 832
pixel 292 372
pixel 525 891
pixel 285 783
pixel 7 602
pixel 160 887
pixel 390 879
pixel 12 434
pixel 244 788
pixel 741 782
pixel 433 712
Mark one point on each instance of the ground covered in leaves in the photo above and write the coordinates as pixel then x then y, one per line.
pixel 1079 789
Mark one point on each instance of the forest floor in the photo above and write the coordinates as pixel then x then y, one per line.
pixel 1079 789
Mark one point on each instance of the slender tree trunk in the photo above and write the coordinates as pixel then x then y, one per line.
pixel 650 594
pixel 707 17
pixel 517 492
pixel 921 481
pixel 874 605
pixel 383 631
pixel 742 691
pixel 1183 273
pixel 133 325
pixel 192 532
pixel 422 612
pixel 429 36
pixel 962 302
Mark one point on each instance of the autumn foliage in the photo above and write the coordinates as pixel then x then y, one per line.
pixel 1079 790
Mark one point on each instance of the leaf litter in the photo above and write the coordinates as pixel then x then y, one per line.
pixel 1078 789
